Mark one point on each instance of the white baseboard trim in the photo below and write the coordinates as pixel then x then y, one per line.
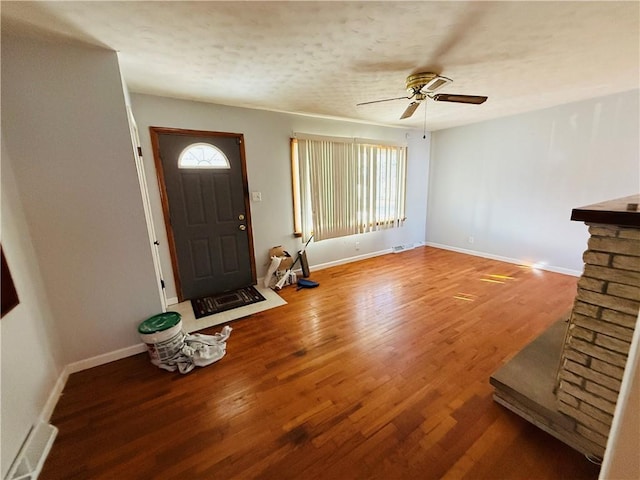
pixel 105 358
pixel 548 268
pixel 342 261
pixel 172 301
pixel 54 396
pixel 56 391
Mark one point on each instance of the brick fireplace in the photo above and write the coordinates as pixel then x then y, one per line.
pixel 567 381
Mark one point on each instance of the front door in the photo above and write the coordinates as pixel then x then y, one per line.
pixel 203 182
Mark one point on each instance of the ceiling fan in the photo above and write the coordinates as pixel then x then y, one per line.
pixel 421 86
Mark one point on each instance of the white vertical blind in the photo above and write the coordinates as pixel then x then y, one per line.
pixel 349 187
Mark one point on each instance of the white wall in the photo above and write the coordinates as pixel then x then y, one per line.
pixel 65 127
pixel 30 344
pixel 267 149
pixel 511 183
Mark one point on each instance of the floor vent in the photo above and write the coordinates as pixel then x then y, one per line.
pixel 33 453
pixel 403 248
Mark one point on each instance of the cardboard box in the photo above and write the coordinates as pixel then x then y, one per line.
pixel 287 260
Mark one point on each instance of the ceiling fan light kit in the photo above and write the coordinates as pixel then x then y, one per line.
pixel 421 86
pixel 426 82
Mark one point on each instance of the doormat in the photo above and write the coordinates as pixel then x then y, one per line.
pixel 221 302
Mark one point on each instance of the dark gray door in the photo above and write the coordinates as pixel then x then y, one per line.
pixel 203 178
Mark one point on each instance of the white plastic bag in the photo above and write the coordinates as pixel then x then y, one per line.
pixel 198 350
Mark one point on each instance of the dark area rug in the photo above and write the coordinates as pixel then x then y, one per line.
pixel 221 302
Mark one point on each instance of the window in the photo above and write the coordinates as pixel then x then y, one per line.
pixel 345 187
pixel 202 155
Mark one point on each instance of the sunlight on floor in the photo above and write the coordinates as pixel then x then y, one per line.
pixel 467 297
pixel 486 277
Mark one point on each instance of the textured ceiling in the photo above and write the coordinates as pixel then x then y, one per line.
pixel 322 58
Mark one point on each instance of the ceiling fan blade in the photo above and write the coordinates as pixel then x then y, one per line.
pixel 385 100
pixel 452 97
pixel 410 109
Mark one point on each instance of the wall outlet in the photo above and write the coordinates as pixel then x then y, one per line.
pixel 357 245
pixel 470 239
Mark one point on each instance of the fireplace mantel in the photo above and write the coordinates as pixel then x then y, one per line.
pixel 622 212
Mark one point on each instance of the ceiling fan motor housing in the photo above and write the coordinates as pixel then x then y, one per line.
pixel 426 82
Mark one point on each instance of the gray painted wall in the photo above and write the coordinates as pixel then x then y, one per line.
pixel 266 136
pixel 31 348
pixel 70 146
pixel 73 222
pixel 511 183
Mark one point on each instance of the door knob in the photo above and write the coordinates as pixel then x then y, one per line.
pixel 242 227
pixel 241 217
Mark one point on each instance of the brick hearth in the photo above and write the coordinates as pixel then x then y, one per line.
pixel 592 349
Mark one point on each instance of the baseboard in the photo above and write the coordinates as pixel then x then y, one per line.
pixel 548 268
pixel 172 301
pixel 406 246
pixel 56 391
pixel 54 396
pixel 342 261
pixel 58 387
pixel 105 358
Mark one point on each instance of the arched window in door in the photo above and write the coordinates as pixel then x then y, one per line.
pixel 203 155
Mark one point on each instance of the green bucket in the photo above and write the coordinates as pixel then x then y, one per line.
pixel 163 336
pixel 159 323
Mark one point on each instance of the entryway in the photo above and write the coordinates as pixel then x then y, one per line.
pixel 205 200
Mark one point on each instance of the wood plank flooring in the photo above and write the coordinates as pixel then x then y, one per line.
pixel 382 372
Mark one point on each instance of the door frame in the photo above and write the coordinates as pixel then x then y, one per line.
pixel 146 203
pixel 155 145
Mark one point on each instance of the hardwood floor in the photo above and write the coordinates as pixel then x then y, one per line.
pixel 381 372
